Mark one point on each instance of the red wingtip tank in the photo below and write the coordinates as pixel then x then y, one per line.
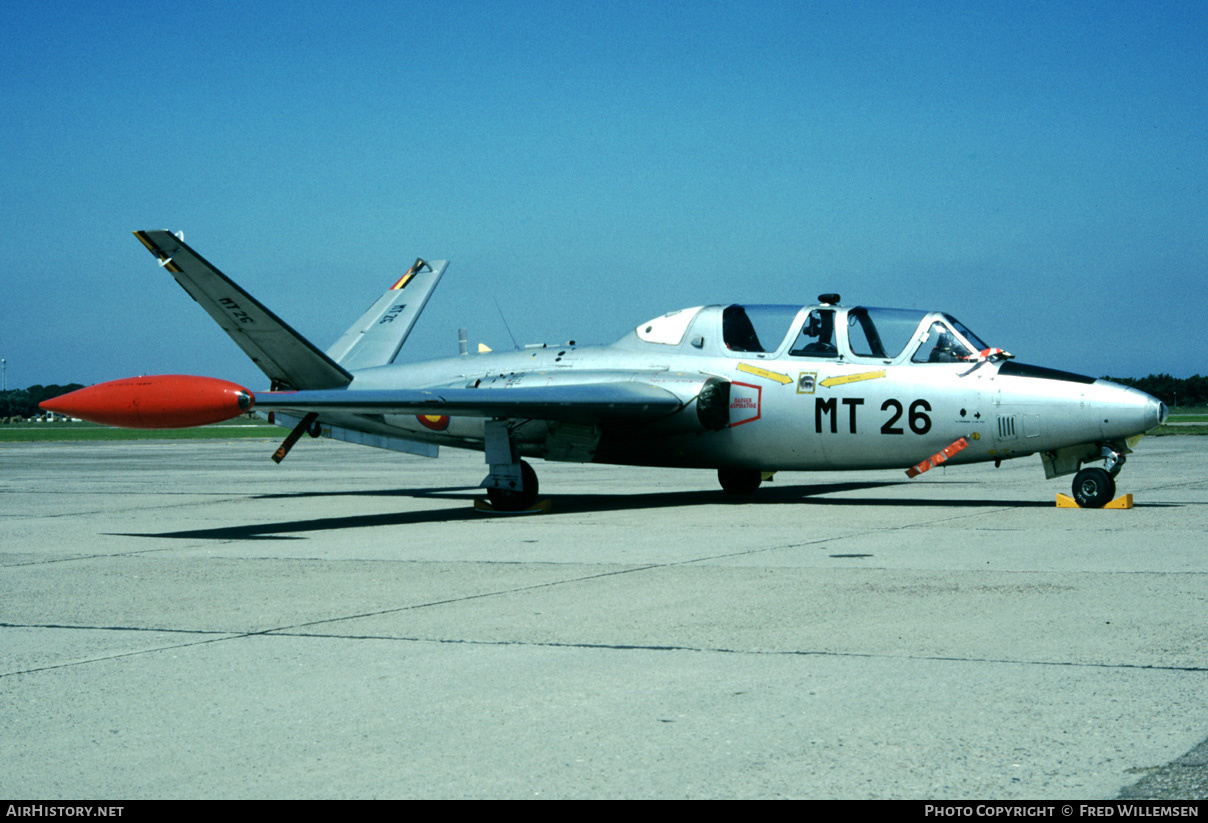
pixel 166 401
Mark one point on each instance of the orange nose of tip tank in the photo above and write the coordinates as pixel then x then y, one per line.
pixel 168 401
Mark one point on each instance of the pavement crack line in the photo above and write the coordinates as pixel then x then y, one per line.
pixel 295 629
pixel 219 636
pixel 223 497
pixel 557 644
pixel 95 556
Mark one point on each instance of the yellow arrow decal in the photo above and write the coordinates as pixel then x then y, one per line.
pixel 850 378
pixel 770 375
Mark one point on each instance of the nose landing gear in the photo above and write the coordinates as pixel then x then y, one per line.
pixel 1094 488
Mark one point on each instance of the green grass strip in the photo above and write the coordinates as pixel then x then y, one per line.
pixel 74 432
pixel 1163 431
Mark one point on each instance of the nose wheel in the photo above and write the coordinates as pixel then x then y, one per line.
pixel 1094 488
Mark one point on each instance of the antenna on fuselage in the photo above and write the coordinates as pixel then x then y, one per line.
pixel 515 345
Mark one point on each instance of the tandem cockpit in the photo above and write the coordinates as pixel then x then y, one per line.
pixel 827 331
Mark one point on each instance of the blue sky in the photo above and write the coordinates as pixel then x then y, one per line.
pixel 1036 169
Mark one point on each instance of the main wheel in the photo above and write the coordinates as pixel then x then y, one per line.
pixel 1093 488
pixel 739 481
pixel 506 500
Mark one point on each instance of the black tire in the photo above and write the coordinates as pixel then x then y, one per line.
pixel 739 481
pixel 505 500
pixel 1093 488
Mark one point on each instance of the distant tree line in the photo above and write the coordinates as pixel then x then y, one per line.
pixel 1173 391
pixel 24 402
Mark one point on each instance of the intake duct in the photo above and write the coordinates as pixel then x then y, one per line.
pixel 713 404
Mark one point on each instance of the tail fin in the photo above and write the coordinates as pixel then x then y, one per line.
pixel 288 358
pixel 375 339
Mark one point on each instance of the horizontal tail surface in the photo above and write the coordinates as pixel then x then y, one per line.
pixel 288 358
pixel 375 339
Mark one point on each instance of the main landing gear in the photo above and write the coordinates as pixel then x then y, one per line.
pixel 512 484
pixel 739 481
pixel 508 500
pixel 1094 488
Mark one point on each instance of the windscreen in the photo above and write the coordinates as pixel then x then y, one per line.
pixel 756 328
pixel 961 329
pixel 884 333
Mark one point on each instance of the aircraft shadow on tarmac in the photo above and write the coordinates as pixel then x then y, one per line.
pixel 564 504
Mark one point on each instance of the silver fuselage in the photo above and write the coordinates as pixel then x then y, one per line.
pixel 785 411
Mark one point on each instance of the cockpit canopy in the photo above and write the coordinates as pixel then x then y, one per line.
pixel 826 331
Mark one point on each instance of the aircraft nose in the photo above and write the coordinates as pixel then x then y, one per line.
pixel 1158 411
pixel 1127 411
pixel 1152 413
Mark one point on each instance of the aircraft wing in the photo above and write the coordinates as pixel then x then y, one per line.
pixel 288 358
pixel 591 403
pixel 376 338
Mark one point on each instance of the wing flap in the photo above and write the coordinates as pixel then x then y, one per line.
pixel 357 432
pixel 592 403
pixel 288 358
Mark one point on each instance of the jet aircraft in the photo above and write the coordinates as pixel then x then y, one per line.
pixel 747 390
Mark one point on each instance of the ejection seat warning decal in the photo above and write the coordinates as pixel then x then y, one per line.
pixel 745 402
pixel 770 375
pixel 852 378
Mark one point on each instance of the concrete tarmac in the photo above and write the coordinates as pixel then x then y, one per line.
pixel 186 619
